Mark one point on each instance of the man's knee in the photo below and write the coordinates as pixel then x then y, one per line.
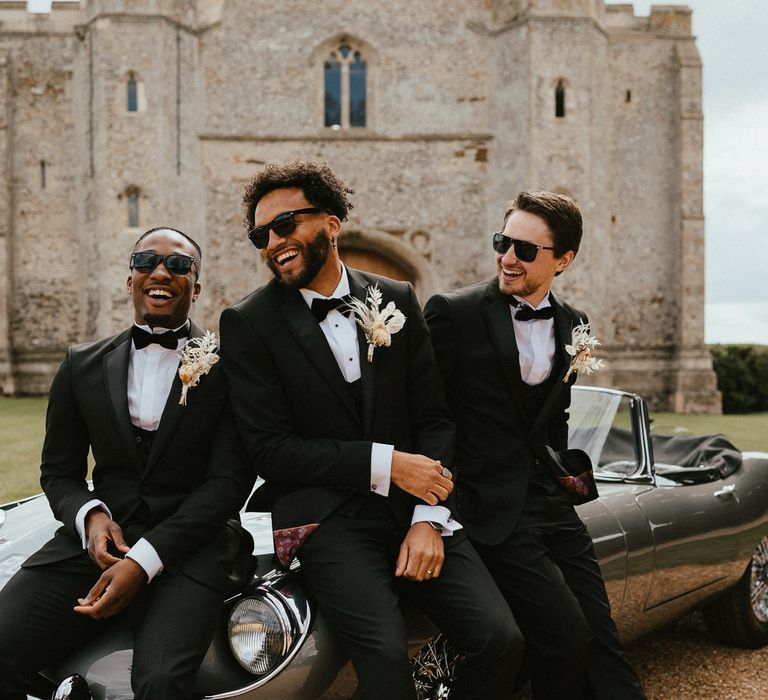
pixel 497 637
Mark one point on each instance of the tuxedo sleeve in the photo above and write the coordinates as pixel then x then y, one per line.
pixel 64 465
pixel 437 313
pixel 263 415
pixel 431 426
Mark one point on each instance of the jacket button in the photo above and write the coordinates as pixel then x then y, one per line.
pixel 537 461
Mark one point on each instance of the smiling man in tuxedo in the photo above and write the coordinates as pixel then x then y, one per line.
pixel 500 346
pixel 355 446
pixel 151 540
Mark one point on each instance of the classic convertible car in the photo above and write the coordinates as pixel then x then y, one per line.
pixel 681 522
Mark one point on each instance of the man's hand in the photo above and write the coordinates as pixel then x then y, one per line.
pixel 421 477
pixel 421 553
pixel 115 589
pixel 100 530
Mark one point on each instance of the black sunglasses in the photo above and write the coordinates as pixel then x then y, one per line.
pixel 283 225
pixel 175 263
pixel 524 251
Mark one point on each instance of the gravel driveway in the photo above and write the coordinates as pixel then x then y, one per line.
pixel 682 662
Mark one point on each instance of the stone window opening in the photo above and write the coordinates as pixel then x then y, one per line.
pixel 42 174
pixel 134 93
pixel 628 96
pixel 133 98
pixel 560 99
pixel 132 203
pixel 345 88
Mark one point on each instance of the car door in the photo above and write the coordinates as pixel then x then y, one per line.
pixel 691 526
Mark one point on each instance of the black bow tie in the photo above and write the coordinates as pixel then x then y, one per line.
pixel 170 340
pixel 321 307
pixel 526 313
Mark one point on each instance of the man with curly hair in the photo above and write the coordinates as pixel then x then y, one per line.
pixel 355 449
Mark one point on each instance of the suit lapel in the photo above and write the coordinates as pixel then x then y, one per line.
pixel 562 359
pixel 502 331
pixel 358 289
pixel 115 366
pixel 171 412
pixel 310 337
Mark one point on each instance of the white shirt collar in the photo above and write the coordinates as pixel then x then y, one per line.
pixel 159 329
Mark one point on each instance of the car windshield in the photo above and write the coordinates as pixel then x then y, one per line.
pixel 600 423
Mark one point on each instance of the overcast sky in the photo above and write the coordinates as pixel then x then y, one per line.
pixel 731 40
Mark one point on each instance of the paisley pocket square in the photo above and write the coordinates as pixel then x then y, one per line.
pixel 573 471
pixel 289 540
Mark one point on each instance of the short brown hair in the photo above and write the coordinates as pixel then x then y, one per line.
pixel 321 186
pixel 560 212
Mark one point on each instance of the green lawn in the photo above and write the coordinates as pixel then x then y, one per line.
pixel 747 432
pixel 22 424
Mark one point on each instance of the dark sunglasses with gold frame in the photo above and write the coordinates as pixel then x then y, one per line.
pixel 524 251
pixel 283 225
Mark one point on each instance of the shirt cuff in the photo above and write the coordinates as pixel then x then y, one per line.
pixel 439 515
pixel 145 555
pixel 80 518
pixel 381 468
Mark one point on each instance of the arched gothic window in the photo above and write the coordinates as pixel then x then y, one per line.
pixel 345 96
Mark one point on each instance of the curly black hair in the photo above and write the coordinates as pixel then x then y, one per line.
pixel 321 186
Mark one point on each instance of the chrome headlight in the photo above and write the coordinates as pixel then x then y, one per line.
pixel 260 633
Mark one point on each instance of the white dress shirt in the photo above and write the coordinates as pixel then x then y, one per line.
pixel 340 330
pixel 151 371
pixel 535 344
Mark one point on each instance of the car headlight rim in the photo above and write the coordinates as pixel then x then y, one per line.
pixel 260 632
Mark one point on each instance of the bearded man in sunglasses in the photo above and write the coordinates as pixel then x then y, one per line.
pixel 354 444
pixel 500 346
pixel 151 541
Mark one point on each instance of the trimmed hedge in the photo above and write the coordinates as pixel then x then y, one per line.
pixel 742 376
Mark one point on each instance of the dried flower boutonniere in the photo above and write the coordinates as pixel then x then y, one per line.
pixel 580 350
pixel 379 325
pixel 197 357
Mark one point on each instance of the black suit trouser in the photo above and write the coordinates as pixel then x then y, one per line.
pixel 548 572
pixel 349 563
pixel 172 619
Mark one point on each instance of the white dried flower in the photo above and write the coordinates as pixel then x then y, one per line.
pixel 197 357
pixel 580 349
pixel 378 325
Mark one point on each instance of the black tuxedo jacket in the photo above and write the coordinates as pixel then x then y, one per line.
pixel 497 442
pixel 196 477
pixel 301 424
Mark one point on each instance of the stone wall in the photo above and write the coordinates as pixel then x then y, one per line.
pixel 460 117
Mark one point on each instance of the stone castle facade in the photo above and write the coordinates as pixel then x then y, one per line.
pixel 120 115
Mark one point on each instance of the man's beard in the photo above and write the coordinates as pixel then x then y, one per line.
pixel 314 254
pixel 524 289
